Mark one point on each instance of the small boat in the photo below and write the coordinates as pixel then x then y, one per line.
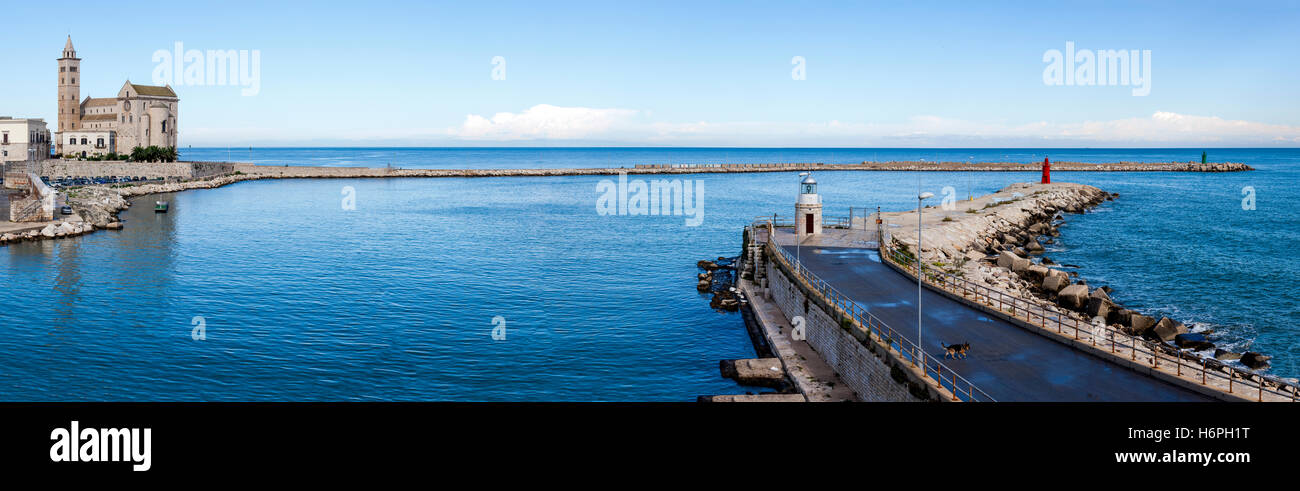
pixel 160 207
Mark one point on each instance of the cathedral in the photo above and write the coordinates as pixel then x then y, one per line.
pixel 139 116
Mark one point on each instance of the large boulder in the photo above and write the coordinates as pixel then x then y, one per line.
pixel 1118 316
pixel 49 231
pixel 1098 307
pixel 1100 293
pixel 1223 354
pixel 1255 360
pixel 1074 297
pixel 1035 272
pixel 1193 341
pixel 1053 284
pixel 1139 324
pixel 1012 261
pixel 1033 246
pixel 1167 329
pixel 1006 259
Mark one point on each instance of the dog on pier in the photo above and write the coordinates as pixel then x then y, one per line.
pixel 955 350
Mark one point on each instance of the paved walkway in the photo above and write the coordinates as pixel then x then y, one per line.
pixel 1006 361
pixel 814 378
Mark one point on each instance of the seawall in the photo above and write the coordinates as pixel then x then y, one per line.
pixel 354 172
pixel 861 354
pixel 58 169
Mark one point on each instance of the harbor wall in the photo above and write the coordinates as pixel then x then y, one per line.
pixel 289 171
pixel 881 377
pixel 55 169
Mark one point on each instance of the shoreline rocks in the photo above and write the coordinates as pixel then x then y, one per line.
pixel 990 242
pixel 98 206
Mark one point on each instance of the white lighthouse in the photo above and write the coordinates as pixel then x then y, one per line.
pixel 808 208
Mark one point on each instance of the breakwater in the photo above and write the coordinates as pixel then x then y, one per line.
pixel 267 171
pixel 983 253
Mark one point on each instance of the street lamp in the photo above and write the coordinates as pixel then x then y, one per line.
pixel 798 242
pixel 920 200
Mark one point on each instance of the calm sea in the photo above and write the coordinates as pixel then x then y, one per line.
pixel 302 299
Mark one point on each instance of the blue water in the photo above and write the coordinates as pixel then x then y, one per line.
pixel 395 300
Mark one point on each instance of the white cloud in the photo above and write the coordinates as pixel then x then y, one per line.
pixel 1160 129
pixel 544 123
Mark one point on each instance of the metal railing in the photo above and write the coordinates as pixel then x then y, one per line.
pixel 832 221
pixel 1168 359
pixel 931 368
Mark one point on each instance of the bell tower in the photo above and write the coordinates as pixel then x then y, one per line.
pixel 69 93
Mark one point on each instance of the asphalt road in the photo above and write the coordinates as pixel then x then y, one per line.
pixel 1006 361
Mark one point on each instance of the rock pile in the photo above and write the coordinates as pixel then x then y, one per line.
pixel 56 230
pixel 994 245
pixel 98 206
pixel 719 278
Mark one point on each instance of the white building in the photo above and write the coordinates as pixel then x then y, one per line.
pixel 23 139
pixel 89 143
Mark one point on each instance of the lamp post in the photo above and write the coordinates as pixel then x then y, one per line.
pixel 798 241
pixel 920 201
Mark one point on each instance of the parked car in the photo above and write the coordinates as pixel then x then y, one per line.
pixel 66 210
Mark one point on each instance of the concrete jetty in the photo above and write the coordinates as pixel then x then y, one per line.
pixel 858 286
pixel 982 253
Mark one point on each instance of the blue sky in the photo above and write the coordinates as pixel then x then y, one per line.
pixel 693 74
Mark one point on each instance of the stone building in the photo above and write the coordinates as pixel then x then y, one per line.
pixel 23 139
pixel 88 142
pixel 139 116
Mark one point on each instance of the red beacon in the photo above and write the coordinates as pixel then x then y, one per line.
pixel 1047 171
